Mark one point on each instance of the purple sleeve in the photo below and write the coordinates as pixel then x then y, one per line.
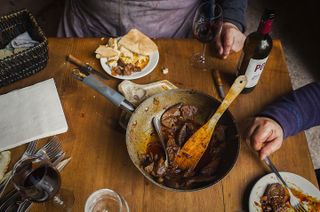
pixel 297 111
pixel 234 12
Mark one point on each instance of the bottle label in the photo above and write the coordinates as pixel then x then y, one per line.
pixel 254 70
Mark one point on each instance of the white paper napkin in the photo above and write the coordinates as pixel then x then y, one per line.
pixel 29 114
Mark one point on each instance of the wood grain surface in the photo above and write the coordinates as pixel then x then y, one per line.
pixel 97 146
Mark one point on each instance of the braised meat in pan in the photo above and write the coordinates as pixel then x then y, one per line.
pixel 177 125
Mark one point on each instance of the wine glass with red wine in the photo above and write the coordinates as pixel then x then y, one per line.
pixel 207 24
pixel 39 181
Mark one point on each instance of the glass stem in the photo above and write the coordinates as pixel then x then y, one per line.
pixel 203 56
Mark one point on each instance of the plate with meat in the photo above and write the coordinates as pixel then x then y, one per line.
pixel 130 57
pixel 269 195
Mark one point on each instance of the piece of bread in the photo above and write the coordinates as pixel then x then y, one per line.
pixel 125 52
pixel 138 42
pixel 5 158
pixel 113 43
pixel 106 52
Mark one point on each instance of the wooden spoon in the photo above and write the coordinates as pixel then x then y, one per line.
pixel 192 151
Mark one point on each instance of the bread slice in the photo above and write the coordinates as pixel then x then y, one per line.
pixel 5 158
pixel 106 52
pixel 138 42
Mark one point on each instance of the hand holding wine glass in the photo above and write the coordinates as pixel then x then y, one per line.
pixel 206 26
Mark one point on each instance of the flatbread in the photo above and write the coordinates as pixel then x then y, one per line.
pixel 5 158
pixel 105 51
pixel 138 42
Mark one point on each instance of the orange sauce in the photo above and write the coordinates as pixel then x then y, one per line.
pixel 312 203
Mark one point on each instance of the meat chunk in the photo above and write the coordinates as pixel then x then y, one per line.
pixel 186 131
pixel 188 111
pixel 274 198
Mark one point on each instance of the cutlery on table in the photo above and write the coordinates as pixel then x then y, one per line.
pixel 85 67
pixel 218 82
pixel 57 160
pixel 294 201
pixel 52 150
pixel 29 151
pixel 26 204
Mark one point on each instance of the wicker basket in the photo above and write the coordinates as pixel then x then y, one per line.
pixel 29 61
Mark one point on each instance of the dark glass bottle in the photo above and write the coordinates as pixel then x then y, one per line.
pixel 255 52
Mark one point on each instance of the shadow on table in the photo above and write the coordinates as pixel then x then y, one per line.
pixel 246 194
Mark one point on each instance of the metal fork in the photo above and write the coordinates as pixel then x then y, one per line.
pixel 28 152
pixel 294 201
pixel 51 149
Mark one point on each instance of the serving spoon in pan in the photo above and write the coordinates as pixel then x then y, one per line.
pixel 191 152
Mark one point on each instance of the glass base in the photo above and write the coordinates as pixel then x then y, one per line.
pixel 63 202
pixel 200 62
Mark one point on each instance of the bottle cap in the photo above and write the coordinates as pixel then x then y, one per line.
pixel 268 14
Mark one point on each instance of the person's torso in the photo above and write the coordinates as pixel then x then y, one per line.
pixel 166 18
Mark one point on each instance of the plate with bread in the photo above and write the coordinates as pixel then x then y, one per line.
pixel 129 57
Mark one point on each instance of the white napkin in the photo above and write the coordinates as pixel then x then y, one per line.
pixel 30 113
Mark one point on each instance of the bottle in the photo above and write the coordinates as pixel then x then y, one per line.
pixel 256 51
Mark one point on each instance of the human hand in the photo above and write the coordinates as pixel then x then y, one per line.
pixel 230 40
pixel 265 136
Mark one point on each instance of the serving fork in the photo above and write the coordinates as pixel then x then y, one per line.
pixel 294 201
pixel 31 148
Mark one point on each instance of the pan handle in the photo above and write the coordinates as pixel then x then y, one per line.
pixel 115 97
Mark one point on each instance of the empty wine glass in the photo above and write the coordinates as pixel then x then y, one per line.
pixel 207 24
pixel 106 200
pixel 39 181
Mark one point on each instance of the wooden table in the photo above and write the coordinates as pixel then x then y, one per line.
pixel 97 144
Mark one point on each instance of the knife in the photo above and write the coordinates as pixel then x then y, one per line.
pixel 85 67
pixel 218 82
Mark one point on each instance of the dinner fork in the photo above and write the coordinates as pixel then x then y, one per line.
pixel 52 149
pixel 294 201
pixel 28 152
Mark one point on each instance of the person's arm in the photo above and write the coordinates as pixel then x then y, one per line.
pixel 293 113
pixel 234 12
pixel 297 111
pixel 232 37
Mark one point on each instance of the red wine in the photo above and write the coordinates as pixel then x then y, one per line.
pixel 41 183
pixel 255 52
pixel 206 31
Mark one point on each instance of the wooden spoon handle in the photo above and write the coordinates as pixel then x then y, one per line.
pixel 190 154
pixel 234 91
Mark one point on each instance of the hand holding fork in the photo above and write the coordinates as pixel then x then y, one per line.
pixel 294 201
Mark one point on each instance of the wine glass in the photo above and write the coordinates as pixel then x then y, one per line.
pixel 106 200
pixel 39 181
pixel 207 24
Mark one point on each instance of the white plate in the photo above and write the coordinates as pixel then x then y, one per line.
pixel 153 61
pixel 293 180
